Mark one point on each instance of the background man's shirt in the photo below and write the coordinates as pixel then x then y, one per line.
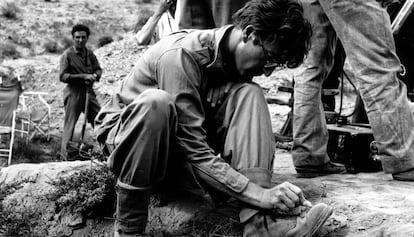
pixel 77 62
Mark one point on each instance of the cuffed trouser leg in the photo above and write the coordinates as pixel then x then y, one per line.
pixel 363 27
pixel 131 208
pixel 141 142
pixel 310 134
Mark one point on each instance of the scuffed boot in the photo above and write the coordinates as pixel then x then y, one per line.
pixel 312 221
pixel 306 226
pixel 131 210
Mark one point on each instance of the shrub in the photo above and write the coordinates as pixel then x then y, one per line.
pixel 18 39
pixel 85 191
pixel 8 49
pixel 51 46
pixel 16 223
pixel 10 10
pixel 104 40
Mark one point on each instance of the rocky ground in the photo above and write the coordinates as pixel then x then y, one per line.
pixel 366 204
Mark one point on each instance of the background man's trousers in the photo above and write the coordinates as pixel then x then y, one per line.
pixel 74 102
pixel 363 27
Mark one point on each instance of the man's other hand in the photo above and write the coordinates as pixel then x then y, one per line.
pixel 284 197
pixel 216 95
pixel 90 79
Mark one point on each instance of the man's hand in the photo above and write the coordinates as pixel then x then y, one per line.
pixel 285 197
pixel 164 6
pixel 216 95
pixel 90 79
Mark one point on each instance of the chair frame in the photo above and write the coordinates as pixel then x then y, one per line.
pixel 27 123
pixel 9 152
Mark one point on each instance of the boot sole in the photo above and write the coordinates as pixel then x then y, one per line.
pixel 326 214
pixel 400 178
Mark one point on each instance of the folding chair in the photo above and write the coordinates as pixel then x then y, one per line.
pixel 9 100
pixel 34 113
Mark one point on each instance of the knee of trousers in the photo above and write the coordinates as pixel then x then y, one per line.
pixel 131 209
pixel 157 104
pixel 250 91
pixel 155 97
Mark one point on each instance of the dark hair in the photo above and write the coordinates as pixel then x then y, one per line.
pixel 279 21
pixel 80 27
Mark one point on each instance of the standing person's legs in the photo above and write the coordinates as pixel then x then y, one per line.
pixel 73 107
pixel 139 145
pixel 363 27
pixel 310 134
pixel 194 14
pixel 223 10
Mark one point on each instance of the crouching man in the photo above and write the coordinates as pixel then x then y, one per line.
pixel 160 117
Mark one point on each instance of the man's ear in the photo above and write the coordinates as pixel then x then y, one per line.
pixel 250 33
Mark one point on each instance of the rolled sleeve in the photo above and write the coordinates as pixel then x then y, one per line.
pixel 179 74
pixel 96 66
pixel 64 69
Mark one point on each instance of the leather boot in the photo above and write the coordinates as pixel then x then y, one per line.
pixel 271 226
pixel 131 210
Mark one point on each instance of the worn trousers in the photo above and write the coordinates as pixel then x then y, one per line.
pixel 363 27
pixel 74 103
pixel 239 130
pixel 206 14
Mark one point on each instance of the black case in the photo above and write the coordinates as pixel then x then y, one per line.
pixel 353 146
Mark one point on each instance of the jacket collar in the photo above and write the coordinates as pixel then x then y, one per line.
pixel 218 45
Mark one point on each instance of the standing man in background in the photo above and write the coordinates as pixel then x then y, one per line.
pixel 79 69
pixel 364 29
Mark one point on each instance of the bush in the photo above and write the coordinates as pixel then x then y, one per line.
pixel 51 46
pixel 16 223
pixel 104 40
pixel 86 191
pixel 10 10
pixel 8 49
